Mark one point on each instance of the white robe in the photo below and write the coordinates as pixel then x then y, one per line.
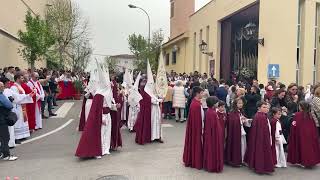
pixel 40 95
pixel 106 130
pixel 155 119
pixel 243 140
pixel 133 114
pixel 20 129
pixel 124 109
pixel 281 158
pixel 87 108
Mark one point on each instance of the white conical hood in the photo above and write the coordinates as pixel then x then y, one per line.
pixel 150 88
pixel 134 96
pixel 161 81
pixel 103 84
pixel 136 83
pixel 131 78
pixel 126 79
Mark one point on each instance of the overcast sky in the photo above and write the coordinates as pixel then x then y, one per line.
pixel 111 21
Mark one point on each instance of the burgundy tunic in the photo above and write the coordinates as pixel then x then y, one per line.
pixel 82 121
pixel 303 141
pixel 192 155
pixel 222 120
pixel 233 142
pixel 273 136
pixel 143 123
pixel 213 142
pixel 259 154
pixel 90 142
pixel 116 139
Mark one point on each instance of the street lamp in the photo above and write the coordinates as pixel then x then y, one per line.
pixel 136 7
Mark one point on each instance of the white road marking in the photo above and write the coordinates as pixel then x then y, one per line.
pixel 47 134
pixel 63 110
pixel 167 125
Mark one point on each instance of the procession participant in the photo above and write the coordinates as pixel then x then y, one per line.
pixel 236 143
pixel 193 146
pixel 20 130
pixel 35 84
pixel 303 146
pixel 87 100
pixel 222 115
pixel 213 141
pixel 143 123
pixel 278 140
pixel 30 107
pixel 116 140
pixel 134 98
pixel 259 153
pixel 96 137
pixel 156 129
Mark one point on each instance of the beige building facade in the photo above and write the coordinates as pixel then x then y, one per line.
pixel 287 35
pixel 12 16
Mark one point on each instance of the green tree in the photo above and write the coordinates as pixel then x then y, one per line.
pixel 138 45
pixel 37 39
pixel 112 64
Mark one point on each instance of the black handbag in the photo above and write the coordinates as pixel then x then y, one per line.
pixel 11 118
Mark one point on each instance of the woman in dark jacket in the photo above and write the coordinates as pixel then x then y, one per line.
pixel 292 99
pixel 251 101
pixel 278 99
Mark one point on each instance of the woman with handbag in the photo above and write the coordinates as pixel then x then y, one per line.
pixel 5 109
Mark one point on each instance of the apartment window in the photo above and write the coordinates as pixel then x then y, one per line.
pixel 172 10
pixel 174 57
pixel 300 12
pixel 167 59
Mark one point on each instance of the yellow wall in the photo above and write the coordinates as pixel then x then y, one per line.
pixel 182 60
pixel 278 22
pixel 12 15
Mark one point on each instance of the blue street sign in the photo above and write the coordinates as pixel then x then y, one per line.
pixel 273 71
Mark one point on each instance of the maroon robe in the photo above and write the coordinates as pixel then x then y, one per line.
pixel 303 141
pixel 193 154
pixel 259 154
pixel 233 155
pixel 90 142
pixel 31 108
pixel 212 142
pixel 82 121
pixel 143 123
pixel 273 136
pixel 222 120
pixel 116 139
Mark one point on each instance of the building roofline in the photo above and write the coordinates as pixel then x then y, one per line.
pixel 202 8
pixel 10 36
pixel 175 39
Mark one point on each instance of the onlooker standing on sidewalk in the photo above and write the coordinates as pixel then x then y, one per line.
pixel 179 100
pixel 167 103
pixel 53 85
pixel 5 108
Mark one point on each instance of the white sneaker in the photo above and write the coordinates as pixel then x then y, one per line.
pixel 98 157
pixel 10 158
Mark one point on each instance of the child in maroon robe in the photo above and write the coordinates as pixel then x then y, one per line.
pixel 212 138
pixel 222 115
pixel 259 154
pixel 303 140
pixel 192 154
pixel 236 137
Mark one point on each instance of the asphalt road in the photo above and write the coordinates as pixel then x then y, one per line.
pixel 52 158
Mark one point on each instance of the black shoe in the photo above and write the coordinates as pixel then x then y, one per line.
pixel 55 105
pixel 44 117
pixel 17 141
pixel 52 114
